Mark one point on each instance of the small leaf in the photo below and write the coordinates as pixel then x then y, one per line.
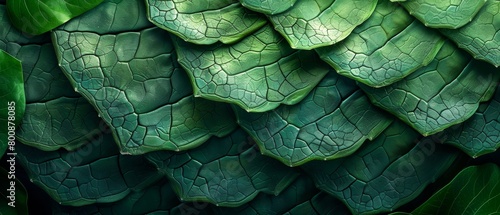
pixel 454 84
pixel 206 21
pixel 475 190
pixel 386 48
pixel 268 7
pixel 258 73
pixel 227 171
pixel 12 99
pixel 37 17
pixel 339 119
pixel 481 36
pixel 385 173
pixel 444 14
pixel 311 24
pixel 94 173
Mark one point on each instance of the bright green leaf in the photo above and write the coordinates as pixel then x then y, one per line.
pixel 311 24
pixel 385 173
pixel 481 37
pixel 136 85
pixel 258 73
pixel 268 7
pixel 443 14
pixel 387 47
pixel 94 173
pixel 12 99
pixel 37 17
pixel 454 84
pixel 331 122
pixel 227 171
pixel 475 190
pixel 206 21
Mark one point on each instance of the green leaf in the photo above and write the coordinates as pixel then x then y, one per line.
pixel 387 47
pixel 331 122
pixel 258 73
pixel 13 197
pixel 479 134
pixel 475 190
pixel 443 14
pixel 137 87
pixel 37 17
pixel 312 24
pixel 481 36
pixel 94 173
pixel 227 171
pixel 454 84
pixel 385 173
pixel 268 7
pixel 320 204
pixel 206 21
pixel 12 99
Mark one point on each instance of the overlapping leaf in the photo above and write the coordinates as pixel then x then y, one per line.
pixel 227 171
pixel 454 84
pixel 206 21
pixel 313 24
pixel 386 173
pixel 387 47
pixel 475 190
pixel 268 7
pixel 479 134
pixel 258 73
pixel 137 87
pixel 481 37
pixel 37 17
pixel 331 122
pixel 443 14
pixel 95 173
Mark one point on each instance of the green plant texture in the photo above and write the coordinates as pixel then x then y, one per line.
pixel 257 107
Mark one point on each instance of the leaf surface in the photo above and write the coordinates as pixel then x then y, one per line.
pixel 227 171
pixel 268 7
pixel 206 21
pixel 387 47
pixel 258 73
pixel 454 84
pixel 331 122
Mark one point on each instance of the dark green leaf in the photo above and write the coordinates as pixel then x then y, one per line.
pixel 454 85
pixel 443 14
pixel 205 21
pixel 227 171
pixel 387 47
pixel 385 173
pixel 258 73
pixel 475 190
pixel 311 24
pixel 37 17
pixel 481 37
pixel 320 204
pixel 331 122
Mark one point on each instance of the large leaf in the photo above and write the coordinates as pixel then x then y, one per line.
pixel 479 134
pixel 475 190
pixel 137 87
pixel 205 21
pixel 481 37
pixel 37 17
pixel 268 7
pixel 385 173
pixel 387 47
pixel 94 173
pixel 315 23
pixel 454 84
pixel 331 122
pixel 227 171
pixel 258 73
pixel 13 194
pixel 443 14
pixel 12 98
